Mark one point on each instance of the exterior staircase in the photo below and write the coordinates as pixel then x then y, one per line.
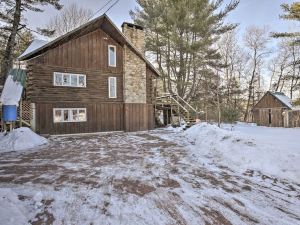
pixel 176 110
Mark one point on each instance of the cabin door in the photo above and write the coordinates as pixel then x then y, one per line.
pixel 270 117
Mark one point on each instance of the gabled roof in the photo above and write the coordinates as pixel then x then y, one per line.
pixel 281 97
pixel 103 22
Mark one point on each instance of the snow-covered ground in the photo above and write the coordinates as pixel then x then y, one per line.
pixel 165 176
pixel 272 151
pixel 20 139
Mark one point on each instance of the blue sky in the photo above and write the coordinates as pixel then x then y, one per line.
pixel 260 13
pixel 249 12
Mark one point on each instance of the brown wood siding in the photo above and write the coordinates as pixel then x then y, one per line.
pixel 277 117
pixel 269 101
pixel 87 55
pixel 88 52
pixel 261 117
pixel 41 88
pixel 294 118
pixel 138 117
pixel 100 117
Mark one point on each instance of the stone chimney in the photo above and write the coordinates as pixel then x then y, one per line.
pixel 135 34
pixel 134 82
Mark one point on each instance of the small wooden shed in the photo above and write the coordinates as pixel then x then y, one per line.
pixel 271 108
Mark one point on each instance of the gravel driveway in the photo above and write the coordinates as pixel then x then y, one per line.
pixel 138 178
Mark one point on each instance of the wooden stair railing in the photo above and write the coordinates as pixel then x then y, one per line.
pixel 178 107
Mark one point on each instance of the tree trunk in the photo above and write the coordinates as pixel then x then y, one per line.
pixel 219 107
pixel 8 53
pixel 250 88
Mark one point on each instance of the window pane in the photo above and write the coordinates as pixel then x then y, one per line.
pixel 74 80
pixel 66 115
pixel 81 115
pixel 57 116
pixel 58 79
pixel 112 56
pixel 66 80
pixel 112 87
pixel 81 81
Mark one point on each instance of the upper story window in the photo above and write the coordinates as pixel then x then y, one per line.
pixel 69 79
pixel 112 56
pixel 112 87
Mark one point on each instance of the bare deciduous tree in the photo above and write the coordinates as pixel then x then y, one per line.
pixel 71 17
pixel 278 68
pixel 256 40
pixel 234 60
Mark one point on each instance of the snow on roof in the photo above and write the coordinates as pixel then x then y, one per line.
pixel 35 44
pixel 283 98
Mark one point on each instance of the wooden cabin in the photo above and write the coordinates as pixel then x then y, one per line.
pixel 271 109
pixel 92 79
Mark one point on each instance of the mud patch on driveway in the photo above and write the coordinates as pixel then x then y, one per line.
pixel 132 186
pixel 170 183
pixel 214 217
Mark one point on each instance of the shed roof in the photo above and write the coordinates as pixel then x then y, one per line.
pixel 103 22
pixel 283 98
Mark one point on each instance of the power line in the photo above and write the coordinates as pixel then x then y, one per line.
pixel 109 1
pixel 111 6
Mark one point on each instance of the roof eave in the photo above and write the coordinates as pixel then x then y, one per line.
pixel 280 100
pixel 104 16
pixel 27 56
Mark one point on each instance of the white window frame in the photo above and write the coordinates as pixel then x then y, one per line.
pixel 115 56
pixel 69 84
pixel 109 90
pixel 70 115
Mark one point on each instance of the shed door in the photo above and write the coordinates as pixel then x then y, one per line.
pixel 270 116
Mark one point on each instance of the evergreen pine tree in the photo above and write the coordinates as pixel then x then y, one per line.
pixel 11 25
pixel 291 12
pixel 181 35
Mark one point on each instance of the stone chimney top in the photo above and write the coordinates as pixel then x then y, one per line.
pixel 135 34
pixel 135 26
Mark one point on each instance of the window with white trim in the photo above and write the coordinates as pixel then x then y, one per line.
pixel 112 56
pixel 112 87
pixel 62 115
pixel 69 79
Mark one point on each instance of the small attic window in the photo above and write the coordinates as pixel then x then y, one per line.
pixel 112 56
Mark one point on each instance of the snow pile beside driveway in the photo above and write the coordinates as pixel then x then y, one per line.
pixel 242 150
pixel 20 139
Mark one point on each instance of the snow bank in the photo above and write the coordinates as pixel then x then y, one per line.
pixel 12 211
pixel 20 139
pixel 242 150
